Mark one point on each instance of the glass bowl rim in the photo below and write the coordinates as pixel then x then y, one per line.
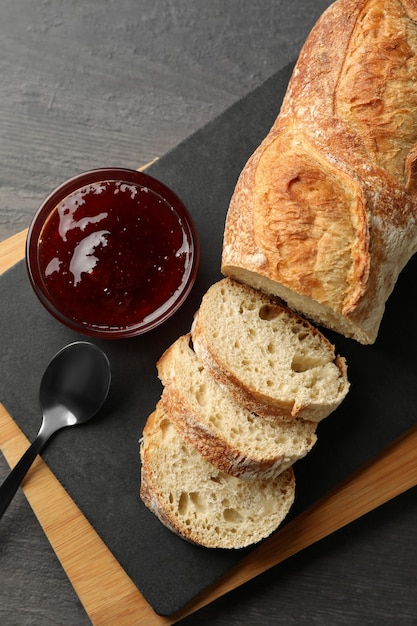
pixel 94 176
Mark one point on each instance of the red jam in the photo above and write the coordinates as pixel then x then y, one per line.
pixel 114 254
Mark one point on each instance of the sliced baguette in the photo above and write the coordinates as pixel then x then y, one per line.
pixel 200 503
pixel 274 362
pixel 224 432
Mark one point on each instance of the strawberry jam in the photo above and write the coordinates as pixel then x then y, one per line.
pixel 115 256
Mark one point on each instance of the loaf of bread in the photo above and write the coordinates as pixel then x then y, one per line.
pixel 270 359
pixel 200 503
pixel 235 413
pixel 324 212
pixel 224 432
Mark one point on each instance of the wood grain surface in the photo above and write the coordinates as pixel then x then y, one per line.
pixel 97 84
pixel 106 592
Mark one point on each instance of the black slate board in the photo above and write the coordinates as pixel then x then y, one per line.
pixel 99 465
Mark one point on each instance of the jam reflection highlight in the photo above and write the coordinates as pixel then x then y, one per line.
pixel 113 254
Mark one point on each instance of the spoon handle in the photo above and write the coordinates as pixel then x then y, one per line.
pixel 17 474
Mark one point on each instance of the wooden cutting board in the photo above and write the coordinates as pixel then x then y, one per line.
pixel 67 529
pixel 93 570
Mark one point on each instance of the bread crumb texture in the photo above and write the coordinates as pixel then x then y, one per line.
pixel 277 362
pixel 199 502
pixel 226 433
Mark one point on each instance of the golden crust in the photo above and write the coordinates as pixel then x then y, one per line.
pixel 325 208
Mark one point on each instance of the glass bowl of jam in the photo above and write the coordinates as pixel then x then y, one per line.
pixel 112 253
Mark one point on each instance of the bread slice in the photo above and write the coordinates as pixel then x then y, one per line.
pixel 274 362
pixel 224 432
pixel 199 502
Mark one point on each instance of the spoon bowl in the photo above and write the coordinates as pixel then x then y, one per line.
pixel 73 389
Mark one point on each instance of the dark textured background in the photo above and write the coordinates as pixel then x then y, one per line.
pixel 89 84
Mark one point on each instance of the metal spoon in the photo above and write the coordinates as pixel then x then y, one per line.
pixel 73 388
